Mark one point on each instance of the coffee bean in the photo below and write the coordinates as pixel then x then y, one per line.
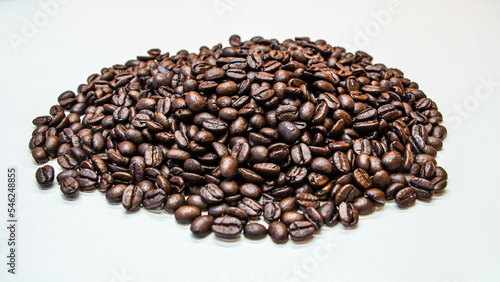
pixel 288 132
pixel 70 187
pixel 348 214
pixel 278 232
pixel 40 155
pixel 154 198
pixel 45 175
pixel 228 166
pixel 406 197
pixel 364 205
pixel 377 196
pixel 132 198
pixel 227 227
pixel 115 193
pixel 202 226
pixel 255 231
pixel 211 193
pixel 174 202
pixel 301 230
pixel 186 214
pixel 329 213
pixel 272 212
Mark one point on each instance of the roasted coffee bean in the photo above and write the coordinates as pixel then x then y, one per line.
pixel 362 178
pixel 202 226
pixel 227 227
pixel 301 230
pixel 377 196
pixel 70 187
pixel 250 190
pixel 272 212
pixel 45 175
pixel 268 170
pixel 341 162
pixel 329 213
pixel 174 202
pixel 154 198
pixel 115 193
pixel 301 154
pixel 364 205
pixel 278 232
pixel 255 231
pixel 250 207
pixel 197 201
pixel 314 217
pixel 288 131
pixel 348 214
pixel 307 200
pixel 288 204
pixel 132 198
pixel 347 193
pixel 393 189
pixel 406 197
pixel 186 214
pixel 40 155
pixel 211 193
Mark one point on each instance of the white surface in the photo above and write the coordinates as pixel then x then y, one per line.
pixel 448 47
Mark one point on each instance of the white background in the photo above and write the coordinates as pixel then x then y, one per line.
pixel 449 47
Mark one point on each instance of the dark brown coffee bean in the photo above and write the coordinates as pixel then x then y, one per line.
pixel 377 196
pixel 211 193
pixel 228 166
pixel 115 193
pixel 314 217
pixel 406 197
pixel 70 187
pixel 272 212
pixel 45 175
pixel 174 202
pixel 251 207
pixel 255 231
pixel 132 198
pixel 362 178
pixel 154 198
pixel 364 205
pixel 186 214
pixel 202 226
pixel 278 232
pixel 250 190
pixel 301 230
pixel 348 214
pixel 307 200
pixel 40 155
pixel 227 227
pixel 329 213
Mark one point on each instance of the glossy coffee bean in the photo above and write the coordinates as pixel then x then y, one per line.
pixel 186 214
pixel 255 231
pixel 202 226
pixel 278 232
pixel 348 214
pixel 45 175
pixel 406 197
pixel 227 227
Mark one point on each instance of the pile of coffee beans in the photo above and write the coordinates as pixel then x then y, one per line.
pixel 299 133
